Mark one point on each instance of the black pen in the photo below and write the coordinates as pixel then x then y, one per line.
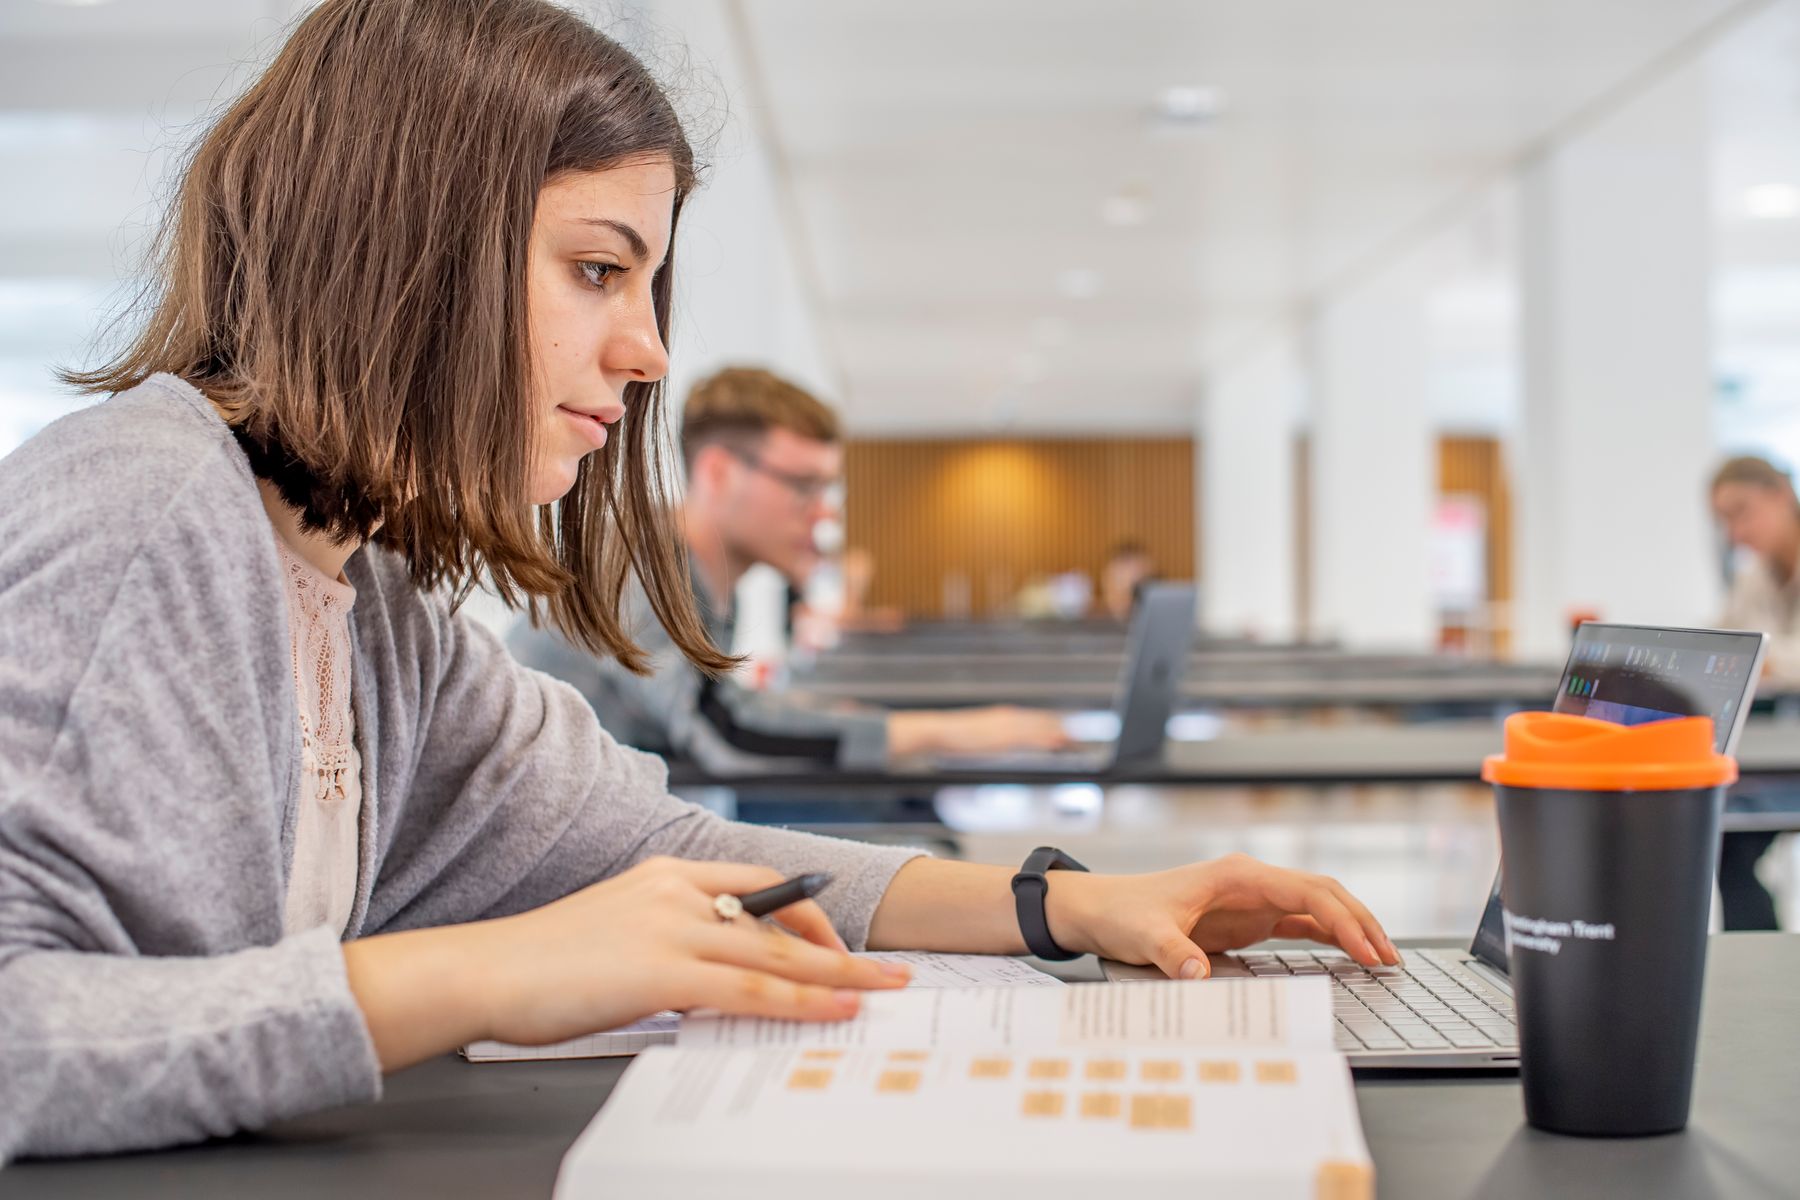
pixel 773 899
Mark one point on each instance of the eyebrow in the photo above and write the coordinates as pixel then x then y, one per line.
pixel 633 238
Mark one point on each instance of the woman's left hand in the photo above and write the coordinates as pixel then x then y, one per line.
pixel 1174 919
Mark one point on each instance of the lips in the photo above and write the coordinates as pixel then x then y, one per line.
pixel 591 426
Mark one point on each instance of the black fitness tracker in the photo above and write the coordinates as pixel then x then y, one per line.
pixel 1029 889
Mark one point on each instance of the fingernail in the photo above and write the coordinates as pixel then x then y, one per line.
pixel 847 1000
pixel 897 969
pixel 1190 969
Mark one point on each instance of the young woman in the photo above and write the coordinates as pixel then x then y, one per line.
pixel 1754 503
pixel 273 818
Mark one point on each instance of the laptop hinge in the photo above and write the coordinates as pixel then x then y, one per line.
pixel 1497 978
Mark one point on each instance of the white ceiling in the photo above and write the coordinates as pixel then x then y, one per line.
pixel 950 160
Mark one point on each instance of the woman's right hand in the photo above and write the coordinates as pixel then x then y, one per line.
pixel 643 941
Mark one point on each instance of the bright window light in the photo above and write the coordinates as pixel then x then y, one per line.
pixel 1773 201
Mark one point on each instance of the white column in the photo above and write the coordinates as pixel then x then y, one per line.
pixel 1616 433
pixel 740 297
pixel 1374 468
pixel 1247 517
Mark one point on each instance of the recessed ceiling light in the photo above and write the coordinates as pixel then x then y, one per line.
pixel 1078 283
pixel 1772 201
pixel 1189 104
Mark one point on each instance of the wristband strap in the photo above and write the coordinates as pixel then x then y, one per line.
pixel 1029 889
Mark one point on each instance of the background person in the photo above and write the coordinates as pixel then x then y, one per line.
pixel 1128 567
pixel 1757 509
pixel 763 457
pixel 274 818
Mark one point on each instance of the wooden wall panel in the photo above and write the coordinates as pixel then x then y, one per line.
pixel 1475 466
pixel 997 513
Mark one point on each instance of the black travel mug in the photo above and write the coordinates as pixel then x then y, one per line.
pixel 1609 842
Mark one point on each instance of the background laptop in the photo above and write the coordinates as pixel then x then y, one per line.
pixel 1156 654
pixel 1453 1008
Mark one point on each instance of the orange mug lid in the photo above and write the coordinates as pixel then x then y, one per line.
pixel 1564 751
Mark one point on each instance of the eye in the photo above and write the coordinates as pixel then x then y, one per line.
pixel 598 274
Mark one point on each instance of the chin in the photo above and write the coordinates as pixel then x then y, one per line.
pixel 552 482
pixel 799 569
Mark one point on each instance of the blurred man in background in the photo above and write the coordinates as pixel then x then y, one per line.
pixel 763 459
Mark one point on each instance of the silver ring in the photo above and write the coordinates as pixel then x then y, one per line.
pixel 728 906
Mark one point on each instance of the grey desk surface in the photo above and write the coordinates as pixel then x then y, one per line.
pixel 1288 689
pixel 450 1129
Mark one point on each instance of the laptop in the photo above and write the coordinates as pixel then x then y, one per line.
pixel 1156 654
pixel 1453 1008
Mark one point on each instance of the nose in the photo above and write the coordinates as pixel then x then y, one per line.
pixel 636 345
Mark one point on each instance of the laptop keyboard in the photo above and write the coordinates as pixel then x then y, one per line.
pixel 1432 1003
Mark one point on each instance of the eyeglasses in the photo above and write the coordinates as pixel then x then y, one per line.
pixel 808 489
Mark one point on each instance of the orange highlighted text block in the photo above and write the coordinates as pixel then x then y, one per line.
pixel 898 1081
pixel 1159 1111
pixel 1101 1106
pixel 1280 1071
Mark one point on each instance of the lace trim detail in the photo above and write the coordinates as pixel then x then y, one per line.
pixel 319 621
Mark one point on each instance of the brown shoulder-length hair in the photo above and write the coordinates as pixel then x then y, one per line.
pixel 343 273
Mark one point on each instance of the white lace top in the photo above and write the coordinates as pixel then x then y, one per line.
pixel 322 885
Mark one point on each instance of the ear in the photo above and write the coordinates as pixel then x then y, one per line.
pixel 712 466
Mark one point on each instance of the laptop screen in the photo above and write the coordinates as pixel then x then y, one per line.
pixel 1635 674
pixel 1632 675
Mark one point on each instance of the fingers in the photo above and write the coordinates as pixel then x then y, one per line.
pixel 1041 727
pixel 762 950
pixel 1179 957
pixel 1371 928
pixel 753 993
pixel 708 879
pixel 1334 915
pixel 809 921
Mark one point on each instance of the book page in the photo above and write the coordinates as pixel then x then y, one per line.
pixel 929 971
pixel 1048 1122
pixel 1294 1013
pixel 658 1029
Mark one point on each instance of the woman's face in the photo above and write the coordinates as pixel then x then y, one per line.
pixel 1762 519
pixel 597 242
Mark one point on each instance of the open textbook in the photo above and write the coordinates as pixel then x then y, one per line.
pixel 929 971
pixel 1229 1088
